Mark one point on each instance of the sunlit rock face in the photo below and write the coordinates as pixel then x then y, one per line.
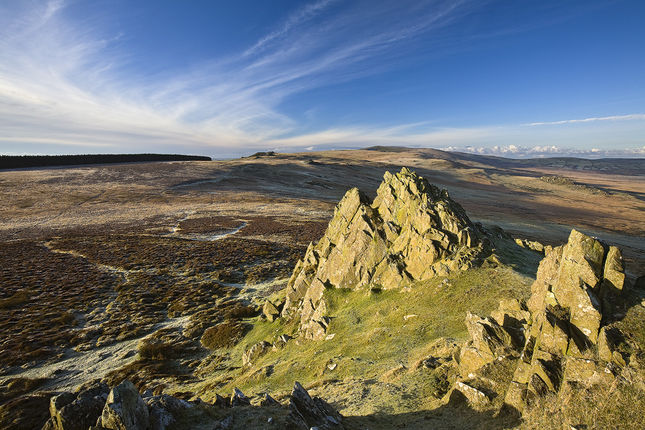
pixel 558 340
pixel 411 231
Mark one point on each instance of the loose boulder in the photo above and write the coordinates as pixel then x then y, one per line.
pixel 124 409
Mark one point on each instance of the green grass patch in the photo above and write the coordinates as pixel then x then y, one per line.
pixel 372 332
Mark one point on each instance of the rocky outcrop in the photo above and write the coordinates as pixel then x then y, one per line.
pixel 558 339
pixel 93 406
pixel 411 231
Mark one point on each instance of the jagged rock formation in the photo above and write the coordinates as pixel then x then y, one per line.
pixel 307 412
pixel 411 231
pixel 557 341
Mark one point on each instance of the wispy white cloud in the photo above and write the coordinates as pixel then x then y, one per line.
pixel 65 83
pixel 398 135
pixel 509 140
pixel 299 17
pixel 630 117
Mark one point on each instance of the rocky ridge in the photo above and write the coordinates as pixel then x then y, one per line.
pixel 411 231
pixel 558 341
pixel 94 406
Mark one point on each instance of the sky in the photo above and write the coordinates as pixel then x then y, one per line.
pixel 225 79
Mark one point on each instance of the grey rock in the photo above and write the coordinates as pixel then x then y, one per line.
pixel 163 409
pixel 80 410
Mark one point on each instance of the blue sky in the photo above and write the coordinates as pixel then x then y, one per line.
pixel 221 78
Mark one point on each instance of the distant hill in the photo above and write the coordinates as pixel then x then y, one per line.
pixel 620 166
pixel 22 161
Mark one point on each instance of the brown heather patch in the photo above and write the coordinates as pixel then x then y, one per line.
pixel 146 373
pixel 223 335
pixel 179 255
pixel 44 289
pixel 26 412
pixel 300 232
pixel 213 224
pixel 15 387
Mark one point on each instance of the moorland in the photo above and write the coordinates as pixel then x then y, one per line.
pixel 160 274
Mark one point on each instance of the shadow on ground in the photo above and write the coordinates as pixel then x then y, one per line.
pixel 455 415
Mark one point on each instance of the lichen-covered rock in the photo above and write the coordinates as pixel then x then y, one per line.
pixel 411 231
pixel 125 409
pixel 488 341
pixel 475 398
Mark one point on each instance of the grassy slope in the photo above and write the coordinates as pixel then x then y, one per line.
pixel 373 335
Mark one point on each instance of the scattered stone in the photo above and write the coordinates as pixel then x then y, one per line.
pixel 222 401
pixel 162 410
pixel 476 398
pixel 330 336
pixel 407 317
pixel 394 373
pixel 531 244
pixel 124 409
pixel 281 341
pixel 267 400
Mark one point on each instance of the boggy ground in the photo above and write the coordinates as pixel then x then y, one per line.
pixel 156 272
